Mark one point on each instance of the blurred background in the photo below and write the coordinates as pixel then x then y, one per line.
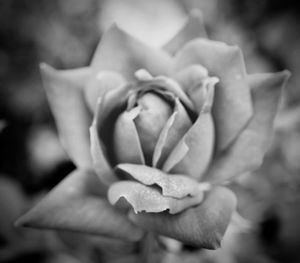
pixel 64 34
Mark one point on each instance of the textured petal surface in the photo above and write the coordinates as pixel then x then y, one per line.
pixel 99 83
pixel 232 108
pixel 193 28
pixel 177 186
pixel 127 145
pixel 124 54
pixel 64 90
pixel 203 225
pixel 193 153
pixel 175 128
pixel 149 199
pixel 78 204
pixel 247 152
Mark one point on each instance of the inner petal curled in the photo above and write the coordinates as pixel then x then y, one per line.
pixel 155 112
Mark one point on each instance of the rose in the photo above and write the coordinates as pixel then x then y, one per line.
pixel 163 121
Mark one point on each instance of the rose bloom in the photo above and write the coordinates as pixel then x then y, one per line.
pixel 156 134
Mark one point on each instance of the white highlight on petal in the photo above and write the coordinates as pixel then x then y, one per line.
pixel 143 75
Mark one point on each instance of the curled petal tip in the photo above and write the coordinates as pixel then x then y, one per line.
pixel 18 222
pixel 286 75
pixel 143 75
pixel 216 244
pixel 46 68
pixel 23 221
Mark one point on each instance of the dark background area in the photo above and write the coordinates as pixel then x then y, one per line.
pixel 64 33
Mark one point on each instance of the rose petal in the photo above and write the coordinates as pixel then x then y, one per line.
pixel 176 126
pixel 202 226
pixel 191 76
pixel 247 152
pixel 177 186
pixel 193 152
pixel 171 85
pixel 149 199
pixel 232 108
pixel 198 85
pixel 64 90
pixel 127 145
pixel 101 166
pixel 193 28
pixel 150 121
pixel 124 54
pixel 99 84
pixel 77 204
pixel 111 105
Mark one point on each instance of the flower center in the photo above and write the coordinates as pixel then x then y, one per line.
pixel 155 112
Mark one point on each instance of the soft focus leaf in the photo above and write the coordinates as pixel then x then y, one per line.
pixel 12 204
pixel 64 90
pixel 177 186
pixel 124 54
pixel 247 152
pixel 232 107
pixel 175 128
pixel 193 152
pixel 98 84
pixel 149 199
pixel 78 204
pixel 127 145
pixel 202 226
pixel 2 125
pixel 193 28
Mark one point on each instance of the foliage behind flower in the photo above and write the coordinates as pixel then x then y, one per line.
pixel 163 129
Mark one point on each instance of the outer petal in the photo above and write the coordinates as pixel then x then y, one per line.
pixel 77 204
pixel 232 108
pixel 65 95
pixel 247 152
pixel 202 226
pixel 124 54
pixel 193 28
pixel 177 186
pixel 193 152
pixel 98 84
pixel 149 199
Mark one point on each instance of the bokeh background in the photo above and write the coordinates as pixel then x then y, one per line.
pixel 64 34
